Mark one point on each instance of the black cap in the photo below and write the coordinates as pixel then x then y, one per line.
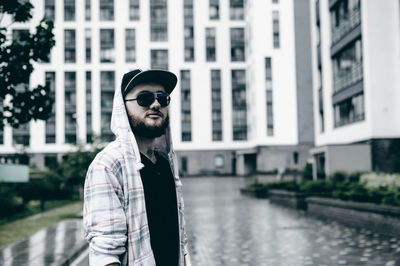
pixel 135 77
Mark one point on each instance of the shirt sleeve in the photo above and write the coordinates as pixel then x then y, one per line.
pixel 103 215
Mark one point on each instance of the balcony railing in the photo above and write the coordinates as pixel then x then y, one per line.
pixel 346 26
pixel 346 78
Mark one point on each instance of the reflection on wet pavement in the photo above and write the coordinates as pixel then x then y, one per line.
pixel 226 228
pixel 46 247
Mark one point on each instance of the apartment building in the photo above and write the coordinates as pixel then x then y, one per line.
pixel 356 64
pixel 243 102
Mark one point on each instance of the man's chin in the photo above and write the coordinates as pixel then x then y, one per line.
pixel 148 127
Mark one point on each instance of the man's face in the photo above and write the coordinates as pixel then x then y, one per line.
pixel 147 121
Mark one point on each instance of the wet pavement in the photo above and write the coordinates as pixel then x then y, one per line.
pixel 226 228
pixel 51 246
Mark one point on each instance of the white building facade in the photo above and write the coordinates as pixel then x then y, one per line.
pixel 243 102
pixel 356 66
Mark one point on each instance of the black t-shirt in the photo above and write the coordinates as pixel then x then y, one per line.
pixel 162 210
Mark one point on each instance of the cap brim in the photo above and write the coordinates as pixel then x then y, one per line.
pixel 165 78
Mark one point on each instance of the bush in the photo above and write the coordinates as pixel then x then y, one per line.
pixel 357 186
pixel 374 180
pixel 9 204
pixel 355 176
pixel 291 186
pixel 357 192
pixel 317 186
pixel 339 176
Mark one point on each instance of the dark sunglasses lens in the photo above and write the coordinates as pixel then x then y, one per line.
pixel 145 99
pixel 163 99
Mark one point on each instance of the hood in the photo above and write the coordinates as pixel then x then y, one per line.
pixel 122 130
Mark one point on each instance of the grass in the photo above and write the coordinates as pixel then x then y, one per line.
pixel 18 230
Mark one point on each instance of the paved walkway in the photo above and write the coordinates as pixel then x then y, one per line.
pixel 56 245
pixel 226 228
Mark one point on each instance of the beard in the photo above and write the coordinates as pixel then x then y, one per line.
pixel 140 128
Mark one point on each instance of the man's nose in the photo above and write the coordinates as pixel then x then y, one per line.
pixel 155 104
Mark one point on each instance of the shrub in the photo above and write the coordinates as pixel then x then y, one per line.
pixel 9 204
pixel 339 176
pixel 357 192
pixel 316 186
pixel 372 188
pixel 354 176
pixel 374 180
pixel 291 186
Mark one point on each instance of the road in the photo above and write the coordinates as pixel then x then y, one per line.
pixel 226 228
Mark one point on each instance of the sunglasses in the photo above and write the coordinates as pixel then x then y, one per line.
pixel 147 98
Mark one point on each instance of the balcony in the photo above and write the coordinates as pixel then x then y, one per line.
pixel 346 78
pixel 346 26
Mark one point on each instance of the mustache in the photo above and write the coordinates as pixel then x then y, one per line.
pixel 155 112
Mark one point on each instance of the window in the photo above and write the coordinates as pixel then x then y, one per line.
pixel 239 106
pixel 349 111
pixel 88 45
pixel 236 9
pixel 216 105
pixel 130 46
pixel 214 9
pixel 134 10
pixel 186 119
pixel 159 59
pixel 89 132
pixel 106 10
pixel 88 10
pixel 348 66
pixel 269 103
pixel 50 9
pixel 70 107
pixel 51 122
pixel 188 31
pixel 210 45
pixel 237 45
pixel 107 85
pixel 275 29
pixel 158 20
pixel 69 10
pixel 107 50
pixel 21 135
pixel 69 46
pixel 345 16
pixel 295 157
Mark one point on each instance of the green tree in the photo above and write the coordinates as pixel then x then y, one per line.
pixel 17 55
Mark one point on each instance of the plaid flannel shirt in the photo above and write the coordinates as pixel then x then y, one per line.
pixel 115 218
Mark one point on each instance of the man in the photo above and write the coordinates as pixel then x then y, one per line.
pixel 133 207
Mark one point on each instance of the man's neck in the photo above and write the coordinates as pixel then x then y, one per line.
pixel 146 147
